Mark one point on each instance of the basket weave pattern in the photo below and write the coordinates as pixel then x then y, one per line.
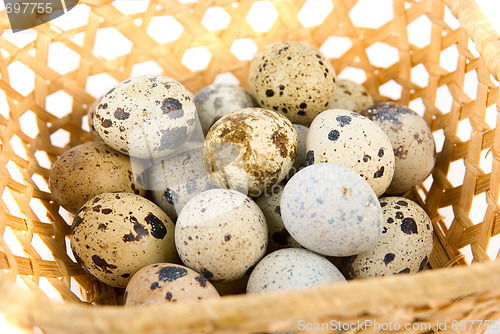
pixel 465 292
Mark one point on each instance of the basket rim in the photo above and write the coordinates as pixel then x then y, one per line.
pixel 342 299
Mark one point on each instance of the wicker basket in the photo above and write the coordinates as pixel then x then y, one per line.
pixel 51 294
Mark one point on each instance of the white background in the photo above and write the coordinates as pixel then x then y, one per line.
pixel 490 7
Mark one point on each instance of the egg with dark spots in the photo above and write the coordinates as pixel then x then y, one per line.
pixel 217 100
pixel 300 158
pixel 250 150
pixel 115 234
pixel 329 209
pixel 167 283
pixel 350 95
pixel 348 138
pixel 90 119
pixel 278 235
pixel 294 79
pixel 412 142
pixel 148 116
pixel 174 180
pixel 221 233
pixel 404 247
pixel 88 170
pixel 292 269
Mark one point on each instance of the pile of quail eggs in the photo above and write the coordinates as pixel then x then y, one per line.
pixel 295 184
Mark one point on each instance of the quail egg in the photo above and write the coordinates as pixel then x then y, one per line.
pixel 294 79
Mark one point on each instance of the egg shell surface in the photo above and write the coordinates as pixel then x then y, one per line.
pixel 167 282
pixel 250 150
pixel 176 179
pixel 329 209
pixel 294 79
pixel 90 120
pixel 221 233
pixel 279 237
pixel 147 116
pixel 115 234
pixel 350 95
pixel 405 246
pixel 90 169
pixel 292 269
pixel 412 142
pixel 217 100
pixel 347 138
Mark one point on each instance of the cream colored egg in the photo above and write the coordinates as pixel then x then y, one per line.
pixel 350 95
pixel 412 141
pixel 294 79
pixel 176 179
pixel 405 246
pixel 292 269
pixel 250 150
pixel 115 234
pixel 148 116
pixel 217 100
pixel 279 237
pixel 167 283
pixel 88 170
pixel 221 233
pixel 90 120
pixel 350 139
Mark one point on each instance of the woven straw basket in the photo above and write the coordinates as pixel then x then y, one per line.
pixel 43 290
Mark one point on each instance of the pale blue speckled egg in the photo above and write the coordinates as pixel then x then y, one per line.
pixel 330 209
pixel 292 269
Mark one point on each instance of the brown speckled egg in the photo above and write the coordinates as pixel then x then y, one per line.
pixel 405 246
pixel 294 79
pixel 115 234
pixel 412 142
pixel 351 96
pixel 90 120
pixel 217 100
pixel 221 233
pixel 250 150
pixel 147 116
pixel 350 139
pixel 278 234
pixel 167 282
pixel 87 170
pixel 178 178
pixel 300 157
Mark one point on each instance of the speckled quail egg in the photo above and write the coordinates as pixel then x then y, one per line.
pixel 221 233
pixel 331 210
pixel 167 282
pixel 147 116
pixel 350 95
pixel 345 137
pixel 300 157
pixel 90 120
pixel 115 234
pixel 250 150
pixel 176 179
pixel 217 100
pixel 405 246
pixel 278 234
pixel 412 142
pixel 294 79
pixel 292 269
pixel 87 170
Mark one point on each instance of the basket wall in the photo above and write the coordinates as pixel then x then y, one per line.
pixel 458 98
